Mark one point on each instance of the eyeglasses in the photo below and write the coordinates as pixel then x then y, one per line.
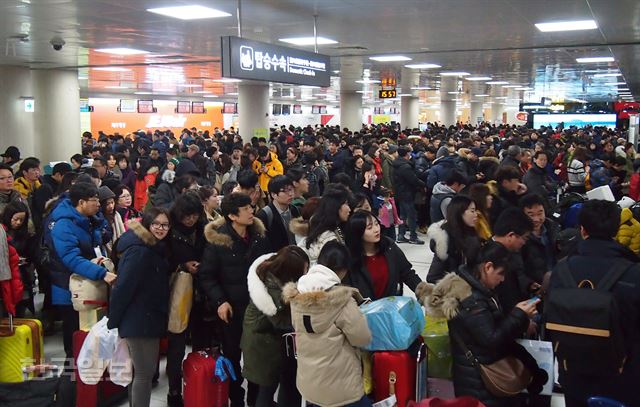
pixel 161 226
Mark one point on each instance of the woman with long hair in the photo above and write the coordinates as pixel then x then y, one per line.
pixel 265 320
pixel 145 178
pixel 15 219
pixel 112 216
pixel 112 165
pixel 454 241
pixel 477 324
pixel 139 305
pixel 577 170
pixel 124 207
pixel 379 268
pixel 328 221
pixel 481 195
pixel 210 202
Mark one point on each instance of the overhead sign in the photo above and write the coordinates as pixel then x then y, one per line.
pixel 29 105
pixel 387 94
pixel 522 116
pixel 254 60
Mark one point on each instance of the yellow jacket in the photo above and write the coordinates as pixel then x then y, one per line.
pixel 25 187
pixel 483 228
pixel 629 232
pixel 274 167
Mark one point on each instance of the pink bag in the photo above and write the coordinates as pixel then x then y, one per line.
pixel 458 402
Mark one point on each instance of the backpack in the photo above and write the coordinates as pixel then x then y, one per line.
pixel 583 322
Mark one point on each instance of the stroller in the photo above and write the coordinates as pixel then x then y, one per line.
pixel 39 391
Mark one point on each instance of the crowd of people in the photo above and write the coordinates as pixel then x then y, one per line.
pixel 290 234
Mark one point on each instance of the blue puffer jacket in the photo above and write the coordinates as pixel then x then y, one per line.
pixel 73 238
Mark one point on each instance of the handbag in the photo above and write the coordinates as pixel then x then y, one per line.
pixel 180 301
pixel 506 377
pixel 87 294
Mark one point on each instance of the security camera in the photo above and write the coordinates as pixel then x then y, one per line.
pixel 57 43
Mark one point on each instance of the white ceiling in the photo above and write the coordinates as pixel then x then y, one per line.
pixel 496 38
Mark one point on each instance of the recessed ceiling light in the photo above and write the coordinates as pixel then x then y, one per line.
pixel 623 89
pixel 227 80
pixel 201 91
pixel 615 83
pixel 115 87
pixel 421 88
pixel 567 26
pixel 368 81
pixel 511 86
pixel 163 90
pixel 479 78
pixel 192 12
pixel 454 73
pixel 501 97
pixel 434 97
pixel 189 85
pixel 523 88
pixel 453 93
pixel 309 87
pixel 405 94
pixel 481 95
pixel 308 41
pixel 390 58
pixel 422 66
pixel 594 60
pixel 122 51
pixel 111 69
pixel 210 96
pixel 233 94
pixel 498 83
pixel 142 93
pixel 606 75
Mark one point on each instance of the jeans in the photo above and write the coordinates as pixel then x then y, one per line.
pixel 409 216
pixel 144 356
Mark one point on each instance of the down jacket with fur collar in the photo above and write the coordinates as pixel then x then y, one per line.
pixel 474 315
pixel 329 330
pixel 139 305
pixel 447 255
pixel 226 261
pixel 265 320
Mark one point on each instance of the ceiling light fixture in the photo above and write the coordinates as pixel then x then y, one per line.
pixel 588 60
pixel 210 96
pixel 422 66
pixel 523 88
pixel 301 41
pixel 368 81
pixel 390 58
pixel 115 87
pixel 421 88
pixel 606 75
pixel 615 83
pixel 201 91
pixel 189 85
pixel 482 95
pixel 227 80
pixel 511 86
pixel 453 93
pixel 192 12
pixel 404 94
pixel 163 90
pixel 111 69
pixel 142 93
pixel 454 73
pixel 567 26
pixel 479 78
pixel 121 51
pixel 497 83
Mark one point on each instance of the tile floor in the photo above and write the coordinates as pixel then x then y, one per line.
pixel 419 256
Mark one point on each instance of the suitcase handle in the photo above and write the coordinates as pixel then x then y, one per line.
pixel 40 371
pixel 4 333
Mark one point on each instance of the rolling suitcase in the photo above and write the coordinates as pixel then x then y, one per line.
pixel 201 385
pixel 21 345
pixel 400 373
pixel 105 393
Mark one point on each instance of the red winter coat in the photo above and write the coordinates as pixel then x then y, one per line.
pixel 12 289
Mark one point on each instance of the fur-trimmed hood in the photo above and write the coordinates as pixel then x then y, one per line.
pixel 218 237
pixel 143 233
pixel 494 159
pixel 299 226
pixel 438 240
pixel 258 290
pixel 443 299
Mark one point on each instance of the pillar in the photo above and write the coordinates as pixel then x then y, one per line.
pixel 57 116
pixel 497 107
pixel 17 125
pixel 351 110
pixel 253 111
pixel 447 100
pixel 475 115
pixel 409 112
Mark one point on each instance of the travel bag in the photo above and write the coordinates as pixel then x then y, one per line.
pixel 21 345
pixel 436 338
pixel 400 373
pixel 206 379
pixel 103 394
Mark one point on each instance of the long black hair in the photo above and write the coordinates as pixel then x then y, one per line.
pixel 463 236
pixel 355 230
pixel 11 209
pixel 327 214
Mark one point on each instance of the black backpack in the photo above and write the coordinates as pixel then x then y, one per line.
pixel 583 322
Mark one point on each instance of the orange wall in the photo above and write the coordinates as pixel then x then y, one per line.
pixel 105 117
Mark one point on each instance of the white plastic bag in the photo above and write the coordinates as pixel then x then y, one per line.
pixel 121 368
pixel 542 352
pixel 96 352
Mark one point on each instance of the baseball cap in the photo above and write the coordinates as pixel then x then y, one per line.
pixel 13 152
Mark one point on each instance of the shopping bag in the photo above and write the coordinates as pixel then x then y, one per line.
pixel 87 294
pixel 394 322
pixel 180 301
pixel 436 337
pixel 97 351
pixel 121 367
pixel 542 352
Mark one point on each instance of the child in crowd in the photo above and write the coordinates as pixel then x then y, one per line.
pixel 388 214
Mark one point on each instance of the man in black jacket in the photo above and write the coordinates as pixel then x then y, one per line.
pixel 536 179
pixel 232 245
pixel 406 185
pixel 599 222
pixel 277 215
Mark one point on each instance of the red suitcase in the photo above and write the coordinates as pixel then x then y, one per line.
pixel 105 393
pixel 402 373
pixel 201 386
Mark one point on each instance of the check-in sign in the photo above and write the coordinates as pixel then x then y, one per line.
pixel 254 60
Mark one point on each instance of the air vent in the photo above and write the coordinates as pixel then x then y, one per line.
pixel 351 48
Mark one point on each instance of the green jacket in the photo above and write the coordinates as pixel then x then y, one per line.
pixel 266 319
pixel 387 171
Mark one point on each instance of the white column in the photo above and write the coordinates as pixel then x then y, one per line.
pixel 447 100
pixel 57 117
pixel 475 112
pixel 351 110
pixel 253 111
pixel 16 127
pixel 409 112
pixel 496 112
